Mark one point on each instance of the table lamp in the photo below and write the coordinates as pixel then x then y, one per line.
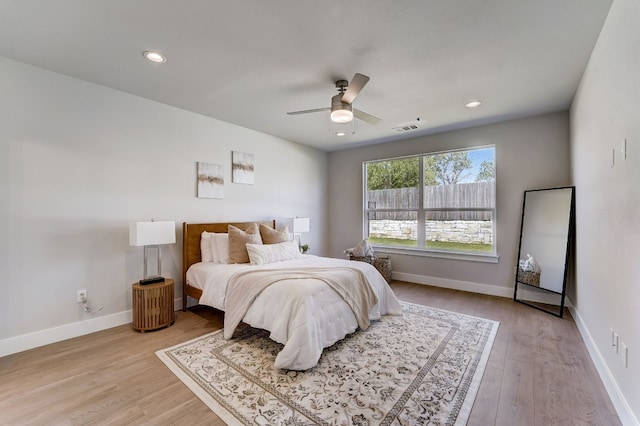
pixel 151 235
pixel 300 225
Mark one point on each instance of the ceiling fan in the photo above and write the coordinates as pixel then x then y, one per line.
pixel 342 110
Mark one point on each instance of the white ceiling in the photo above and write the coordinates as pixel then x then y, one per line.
pixel 248 62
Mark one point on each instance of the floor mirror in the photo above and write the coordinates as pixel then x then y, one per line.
pixel 543 254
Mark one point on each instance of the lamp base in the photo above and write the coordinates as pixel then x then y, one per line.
pixel 151 280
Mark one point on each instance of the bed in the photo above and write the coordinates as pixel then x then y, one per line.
pixel 306 302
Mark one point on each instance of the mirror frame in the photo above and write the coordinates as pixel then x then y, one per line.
pixel 570 230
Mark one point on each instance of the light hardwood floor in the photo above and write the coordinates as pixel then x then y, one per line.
pixel 539 372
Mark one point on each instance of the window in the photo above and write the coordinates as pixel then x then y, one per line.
pixel 440 202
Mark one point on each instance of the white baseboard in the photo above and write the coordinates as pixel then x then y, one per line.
pixel 57 334
pixel 617 398
pixel 28 341
pixel 493 290
pixel 177 304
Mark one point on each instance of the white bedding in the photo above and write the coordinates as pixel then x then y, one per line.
pixel 305 316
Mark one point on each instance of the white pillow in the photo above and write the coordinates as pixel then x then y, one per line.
pixel 362 249
pixel 259 254
pixel 219 247
pixel 205 246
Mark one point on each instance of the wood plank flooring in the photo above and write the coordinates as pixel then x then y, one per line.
pixel 539 372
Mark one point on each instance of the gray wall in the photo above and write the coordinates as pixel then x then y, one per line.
pixel 606 110
pixel 79 161
pixel 530 153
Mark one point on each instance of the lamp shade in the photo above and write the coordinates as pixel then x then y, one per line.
pixel 152 233
pixel 300 224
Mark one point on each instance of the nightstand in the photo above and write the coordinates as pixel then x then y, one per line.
pixel 153 305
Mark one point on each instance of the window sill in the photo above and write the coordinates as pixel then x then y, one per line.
pixel 470 257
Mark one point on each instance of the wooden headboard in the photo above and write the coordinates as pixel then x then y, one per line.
pixel 191 233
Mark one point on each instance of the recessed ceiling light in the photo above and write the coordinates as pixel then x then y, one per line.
pixel 154 56
pixel 340 133
pixel 473 104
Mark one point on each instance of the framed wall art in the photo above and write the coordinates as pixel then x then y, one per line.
pixel 242 167
pixel 210 180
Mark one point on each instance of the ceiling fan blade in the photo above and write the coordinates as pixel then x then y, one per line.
pixel 307 111
pixel 366 117
pixel 357 83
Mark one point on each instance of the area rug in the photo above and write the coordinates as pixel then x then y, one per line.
pixel 423 367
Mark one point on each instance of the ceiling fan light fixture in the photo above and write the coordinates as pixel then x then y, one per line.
pixel 341 116
pixel 341 112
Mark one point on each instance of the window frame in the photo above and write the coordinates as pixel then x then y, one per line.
pixel 421 212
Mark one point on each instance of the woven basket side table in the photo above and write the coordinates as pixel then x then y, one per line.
pixel 153 305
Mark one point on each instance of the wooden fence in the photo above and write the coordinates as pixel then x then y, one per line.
pixel 458 196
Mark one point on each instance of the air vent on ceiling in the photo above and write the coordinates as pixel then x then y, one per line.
pixel 406 128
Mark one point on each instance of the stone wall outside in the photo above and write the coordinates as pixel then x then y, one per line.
pixel 459 231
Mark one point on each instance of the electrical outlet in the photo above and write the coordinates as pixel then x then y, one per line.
pixel 81 296
pixel 625 354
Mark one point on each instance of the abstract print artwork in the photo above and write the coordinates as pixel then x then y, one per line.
pixel 210 180
pixel 242 167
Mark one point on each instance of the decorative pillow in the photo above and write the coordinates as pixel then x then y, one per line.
pixel 271 236
pixel 238 240
pixel 260 254
pixel 362 249
pixel 205 246
pixel 219 243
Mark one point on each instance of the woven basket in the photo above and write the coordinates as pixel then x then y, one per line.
pixel 382 264
pixel 529 277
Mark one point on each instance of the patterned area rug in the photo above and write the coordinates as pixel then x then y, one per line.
pixel 423 367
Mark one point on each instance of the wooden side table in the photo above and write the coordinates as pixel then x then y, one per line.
pixel 153 305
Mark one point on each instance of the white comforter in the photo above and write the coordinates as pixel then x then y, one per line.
pixel 305 316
